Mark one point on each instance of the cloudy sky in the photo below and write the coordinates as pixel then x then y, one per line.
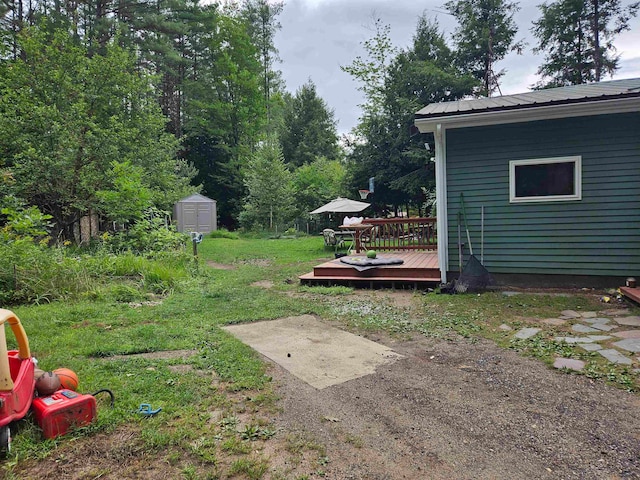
pixel 318 36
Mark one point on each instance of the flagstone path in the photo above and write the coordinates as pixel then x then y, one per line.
pixel 606 332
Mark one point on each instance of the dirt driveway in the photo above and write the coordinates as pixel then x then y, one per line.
pixel 466 410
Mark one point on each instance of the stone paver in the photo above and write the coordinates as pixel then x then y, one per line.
pixel 527 333
pixel 616 312
pixel 505 327
pixel 603 327
pixel 574 339
pixel 596 320
pixel 590 347
pixel 582 328
pixel 588 314
pixel 630 321
pixel 630 344
pixel 554 321
pixel 570 314
pixel 599 338
pixel 615 356
pixel 570 363
pixel 628 334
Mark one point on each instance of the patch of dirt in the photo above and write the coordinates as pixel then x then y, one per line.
pixel 220 266
pixel 467 411
pixel 455 409
pixel 163 355
pixel 263 284
pixel 257 262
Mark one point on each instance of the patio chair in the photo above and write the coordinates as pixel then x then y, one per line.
pixel 331 239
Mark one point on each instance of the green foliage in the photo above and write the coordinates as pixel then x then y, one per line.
pixel 577 36
pixel 423 74
pixel 317 183
pixel 309 129
pixel 371 72
pixel 151 234
pixel 128 198
pixel 485 35
pixel 269 183
pixel 224 233
pixel 67 116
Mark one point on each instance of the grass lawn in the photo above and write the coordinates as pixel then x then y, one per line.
pixel 218 427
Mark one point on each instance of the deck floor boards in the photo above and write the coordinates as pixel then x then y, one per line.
pixel 417 267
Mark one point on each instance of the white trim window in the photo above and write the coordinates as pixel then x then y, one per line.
pixel 545 179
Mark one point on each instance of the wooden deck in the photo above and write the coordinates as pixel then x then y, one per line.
pixel 631 293
pixel 419 269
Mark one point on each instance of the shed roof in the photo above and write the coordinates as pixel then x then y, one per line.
pixel 196 198
pixel 576 100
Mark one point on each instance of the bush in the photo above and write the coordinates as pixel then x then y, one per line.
pixel 224 233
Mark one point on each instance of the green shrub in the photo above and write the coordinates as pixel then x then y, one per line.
pixel 224 233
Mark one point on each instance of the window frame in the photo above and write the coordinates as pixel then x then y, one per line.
pixel 577 179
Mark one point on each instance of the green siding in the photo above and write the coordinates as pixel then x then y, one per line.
pixel 598 235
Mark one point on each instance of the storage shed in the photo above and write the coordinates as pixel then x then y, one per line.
pixel 556 173
pixel 195 213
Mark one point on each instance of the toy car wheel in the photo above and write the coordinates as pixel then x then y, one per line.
pixel 5 441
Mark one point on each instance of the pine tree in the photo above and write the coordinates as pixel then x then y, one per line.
pixel 485 35
pixel 577 37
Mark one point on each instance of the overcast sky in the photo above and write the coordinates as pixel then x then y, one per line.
pixel 318 36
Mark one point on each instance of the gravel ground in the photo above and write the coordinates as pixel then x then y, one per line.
pixel 462 410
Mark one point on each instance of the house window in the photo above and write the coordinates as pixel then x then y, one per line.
pixel 545 179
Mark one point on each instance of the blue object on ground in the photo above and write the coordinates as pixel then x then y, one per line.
pixel 145 409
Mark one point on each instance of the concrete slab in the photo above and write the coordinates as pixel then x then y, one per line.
pixel 313 351
pixel 505 327
pixel 615 356
pixel 588 314
pixel 525 333
pixel 582 328
pixel 570 314
pixel 630 344
pixel 630 321
pixel 569 363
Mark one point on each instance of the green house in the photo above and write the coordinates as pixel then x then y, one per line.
pixel 550 182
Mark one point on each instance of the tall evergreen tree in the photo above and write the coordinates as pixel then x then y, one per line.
pixel 309 129
pixel 263 24
pixel 425 73
pixel 577 37
pixel 485 35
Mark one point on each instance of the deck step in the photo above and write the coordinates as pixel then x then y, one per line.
pixel 631 293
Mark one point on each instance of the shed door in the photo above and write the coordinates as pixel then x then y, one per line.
pixel 197 217
pixel 204 217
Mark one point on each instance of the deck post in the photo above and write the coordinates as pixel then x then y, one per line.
pixel 441 200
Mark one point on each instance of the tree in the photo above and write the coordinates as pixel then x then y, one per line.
pixel 261 17
pixel 371 72
pixel 423 74
pixel 65 117
pixel 309 129
pixel 485 35
pixel 317 183
pixel 224 114
pixel 269 201
pixel 577 37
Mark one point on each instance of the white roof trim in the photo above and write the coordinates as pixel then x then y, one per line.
pixel 529 114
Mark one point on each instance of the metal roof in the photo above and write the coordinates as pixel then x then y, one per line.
pixel 590 92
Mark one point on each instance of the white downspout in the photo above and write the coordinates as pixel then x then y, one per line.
pixel 441 200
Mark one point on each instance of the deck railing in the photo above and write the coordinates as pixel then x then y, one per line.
pixel 400 234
